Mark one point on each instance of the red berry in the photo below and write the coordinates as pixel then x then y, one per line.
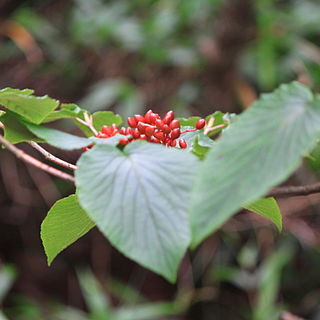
pixel 139 118
pixel 168 117
pixel 159 135
pixel 123 131
pixel 159 123
pixel 129 131
pixel 102 135
pixel 107 130
pixel 149 131
pixel 143 137
pixel 175 133
pixel 132 122
pixel 166 129
pixel 200 124
pixel 147 116
pixel 173 143
pixel 174 124
pixel 141 127
pixel 182 143
pixel 135 133
pixel 124 141
pixel 153 118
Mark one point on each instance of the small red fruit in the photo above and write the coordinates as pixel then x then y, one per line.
pixel 166 129
pixel 159 123
pixel 168 117
pixel 135 133
pixel 141 127
pixel 200 124
pixel 174 124
pixel 132 122
pixel 147 116
pixel 124 141
pixel 175 133
pixel 139 117
pixel 107 130
pixel 182 143
pixel 129 131
pixel 102 135
pixel 149 131
pixel 173 143
pixel 159 135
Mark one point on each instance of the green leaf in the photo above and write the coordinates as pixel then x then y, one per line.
pixel 26 92
pixel 219 118
pixel 268 208
pixel 67 141
pixel 105 118
pixel 65 223
pixel 32 108
pixel 99 119
pixel 258 151
pixel 58 138
pixel 188 122
pixel 196 137
pixel 266 307
pixel 66 111
pixel 139 198
pixel 15 131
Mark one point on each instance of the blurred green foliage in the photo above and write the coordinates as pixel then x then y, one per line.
pixel 246 272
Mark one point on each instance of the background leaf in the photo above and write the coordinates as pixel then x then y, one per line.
pixel 65 223
pixel 258 151
pixel 268 208
pixel 15 131
pixel 32 108
pixel 105 118
pixel 149 224
pixel 66 111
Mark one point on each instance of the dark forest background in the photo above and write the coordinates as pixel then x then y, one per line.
pixel 192 56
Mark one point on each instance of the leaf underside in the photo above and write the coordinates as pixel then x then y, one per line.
pixel 259 150
pixel 139 199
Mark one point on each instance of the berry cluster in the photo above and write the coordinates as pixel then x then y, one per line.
pixel 152 128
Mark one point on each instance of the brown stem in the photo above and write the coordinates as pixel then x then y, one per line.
pixel 34 162
pixel 51 157
pixel 292 191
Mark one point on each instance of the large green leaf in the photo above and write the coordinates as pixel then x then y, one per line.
pixel 258 151
pixel 268 208
pixel 65 223
pixel 139 198
pixel 32 108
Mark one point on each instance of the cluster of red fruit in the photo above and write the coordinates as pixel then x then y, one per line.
pixel 151 128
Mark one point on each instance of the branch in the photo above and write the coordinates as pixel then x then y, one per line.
pixel 34 162
pixel 51 157
pixel 292 191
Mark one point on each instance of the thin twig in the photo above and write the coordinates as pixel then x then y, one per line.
pixel 34 162
pixel 292 191
pixel 88 122
pixel 51 157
